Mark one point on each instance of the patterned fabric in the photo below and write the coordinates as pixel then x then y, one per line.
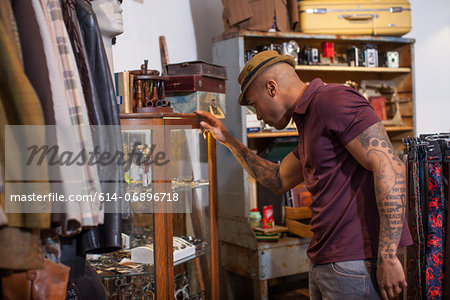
pixel 85 213
pixel 55 69
pixel 435 255
pixel 447 192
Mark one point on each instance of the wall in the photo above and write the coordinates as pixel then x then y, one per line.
pixel 144 21
pixel 431 29
pixel 189 26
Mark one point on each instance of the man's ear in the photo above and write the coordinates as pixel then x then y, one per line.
pixel 272 88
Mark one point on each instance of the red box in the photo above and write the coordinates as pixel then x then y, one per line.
pixel 268 221
pixel 379 103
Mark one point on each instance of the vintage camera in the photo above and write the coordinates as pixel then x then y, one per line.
pixel 392 59
pixel 249 54
pixel 355 57
pixel 370 56
pixel 309 56
pixel 276 47
pixel 291 48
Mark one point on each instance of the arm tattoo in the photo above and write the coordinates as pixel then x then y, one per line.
pixel 390 188
pixel 265 172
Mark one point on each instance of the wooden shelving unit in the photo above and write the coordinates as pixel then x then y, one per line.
pixel 290 133
pixel 352 69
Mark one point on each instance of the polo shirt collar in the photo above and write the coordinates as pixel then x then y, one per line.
pixel 308 95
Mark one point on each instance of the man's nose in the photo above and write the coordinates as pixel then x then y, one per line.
pixel 259 117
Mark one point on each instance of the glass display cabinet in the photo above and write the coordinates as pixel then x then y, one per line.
pixel 170 239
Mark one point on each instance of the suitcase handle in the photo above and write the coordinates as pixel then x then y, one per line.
pixel 357 17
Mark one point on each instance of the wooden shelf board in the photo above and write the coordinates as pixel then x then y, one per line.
pixel 398 128
pixel 352 69
pixel 255 135
pixel 299 35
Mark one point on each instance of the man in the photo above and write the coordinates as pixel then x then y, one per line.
pixel 348 164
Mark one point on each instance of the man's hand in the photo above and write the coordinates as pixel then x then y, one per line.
pixel 215 126
pixel 278 178
pixel 390 276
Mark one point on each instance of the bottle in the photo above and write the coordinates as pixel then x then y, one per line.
pixel 255 218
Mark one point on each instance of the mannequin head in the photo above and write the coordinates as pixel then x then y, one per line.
pixel 109 17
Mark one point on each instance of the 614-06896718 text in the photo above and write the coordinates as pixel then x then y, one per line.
pixel 103 197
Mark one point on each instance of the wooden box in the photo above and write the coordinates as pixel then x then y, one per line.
pixel 294 223
pixel 198 68
pixel 194 83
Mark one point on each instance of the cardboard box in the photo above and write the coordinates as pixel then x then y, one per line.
pixel 259 14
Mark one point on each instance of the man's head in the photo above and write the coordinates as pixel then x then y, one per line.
pixel 270 84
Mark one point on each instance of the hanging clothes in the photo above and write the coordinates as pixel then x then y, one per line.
pixel 20 106
pixel 73 112
pixel 87 82
pixel 434 248
pixel 428 216
pixel 106 237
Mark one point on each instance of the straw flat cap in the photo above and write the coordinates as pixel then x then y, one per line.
pixel 256 66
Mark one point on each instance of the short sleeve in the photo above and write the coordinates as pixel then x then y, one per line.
pixel 345 113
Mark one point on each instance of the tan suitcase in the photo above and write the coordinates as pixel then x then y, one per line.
pixel 369 17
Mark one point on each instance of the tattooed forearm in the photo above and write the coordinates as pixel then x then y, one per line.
pixel 265 172
pixel 390 188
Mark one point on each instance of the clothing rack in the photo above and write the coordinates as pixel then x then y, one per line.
pixel 428 166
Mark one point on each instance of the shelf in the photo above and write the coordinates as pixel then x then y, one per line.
pixel 299 35
pixel 352 69
pixel 177 186
pixel 256 135
pixel 398 128
pixel 272 134
pixel 181 186
pixel 108 266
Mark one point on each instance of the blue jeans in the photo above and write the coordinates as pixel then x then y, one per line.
pixel 346 280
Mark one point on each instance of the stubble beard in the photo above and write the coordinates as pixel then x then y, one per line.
pixel 284 121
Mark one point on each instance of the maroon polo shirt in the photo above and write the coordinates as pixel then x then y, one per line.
pixel 345 220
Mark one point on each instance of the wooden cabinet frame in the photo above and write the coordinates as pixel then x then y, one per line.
pixel 163 220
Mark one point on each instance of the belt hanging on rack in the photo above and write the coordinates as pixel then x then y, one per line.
pixel 434 251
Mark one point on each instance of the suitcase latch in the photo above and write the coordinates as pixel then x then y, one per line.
pixel 316 10
pixel 396 9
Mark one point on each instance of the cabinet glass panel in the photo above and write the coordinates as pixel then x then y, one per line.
pixel 189 173
pixel 123 278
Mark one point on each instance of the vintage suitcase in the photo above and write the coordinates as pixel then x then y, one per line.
pixel 193 83
pixel 370 17
pixel 197 68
